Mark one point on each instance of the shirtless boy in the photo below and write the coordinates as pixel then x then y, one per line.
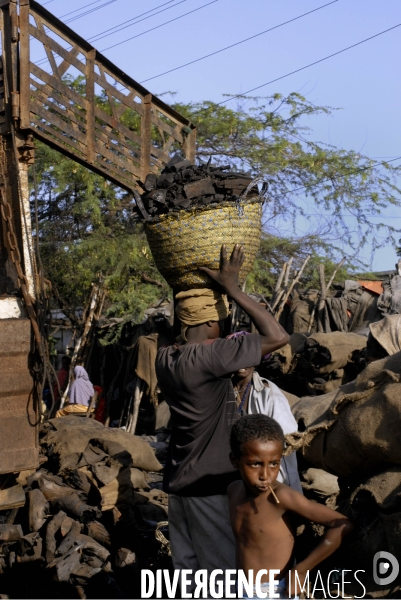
pixel 260 508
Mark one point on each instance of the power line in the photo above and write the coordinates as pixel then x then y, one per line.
pixel 78 9
pixel 241 42
pixel 300 69
pixel 158 26
pixel 88 12
pixel 43 60
pixel 100 35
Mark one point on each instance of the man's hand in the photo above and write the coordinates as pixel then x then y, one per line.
pixel 272 334
pixel 227 275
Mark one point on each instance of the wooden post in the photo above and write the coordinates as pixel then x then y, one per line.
pixel 90 106
pixel 317 306
pixel 288 292
pixel 320 306
pixel 146 135
pixel 25 92
pixel 278 292
pixel 190 146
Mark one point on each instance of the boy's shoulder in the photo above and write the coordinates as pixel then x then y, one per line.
pixel 286 495
pixel 235 488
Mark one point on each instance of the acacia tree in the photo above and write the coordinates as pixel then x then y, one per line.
pixel 340 190
pixel 85 226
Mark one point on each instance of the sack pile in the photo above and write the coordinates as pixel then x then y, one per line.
pixel 87 518
pixel 317 363
pixel 357 429
pixel 353 433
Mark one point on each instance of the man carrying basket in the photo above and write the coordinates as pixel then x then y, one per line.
pixel 195 379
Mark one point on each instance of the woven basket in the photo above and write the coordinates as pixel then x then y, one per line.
pixel 183 241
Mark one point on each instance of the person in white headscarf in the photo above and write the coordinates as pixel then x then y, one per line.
pixel 80 394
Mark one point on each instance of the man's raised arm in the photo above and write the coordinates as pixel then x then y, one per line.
pixel 273 336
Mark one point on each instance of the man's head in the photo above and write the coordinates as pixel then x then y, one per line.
pixel 244 373
pixel 210 330
pixel 257 443
pixel 201 311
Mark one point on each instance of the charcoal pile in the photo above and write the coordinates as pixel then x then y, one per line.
pixel 317 363
pixel 86 522
pixel 182 185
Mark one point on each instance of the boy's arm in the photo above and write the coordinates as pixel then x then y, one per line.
pixel 337 527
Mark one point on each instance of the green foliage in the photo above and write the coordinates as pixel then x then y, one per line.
pixel 84 221
pixel 85 230
pixel 340 192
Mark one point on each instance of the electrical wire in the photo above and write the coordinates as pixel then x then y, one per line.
pixel 90 11
pixel 94 38
pixel 78 9
pixel 278 78
pixel 240 42
pixel 300 69
pixel 158 26
pixel 100 35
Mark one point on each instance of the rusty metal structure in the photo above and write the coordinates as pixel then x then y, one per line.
pixel 81 104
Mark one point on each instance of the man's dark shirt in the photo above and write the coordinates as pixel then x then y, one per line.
pixel 195 380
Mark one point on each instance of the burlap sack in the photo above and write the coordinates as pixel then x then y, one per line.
pixel 361 428
pixel 375 506
pixel 119 492
pixel 285 354
pixel 138 479
pixel 321 482
pixel 310 412
pixel 384 533
pixel 71 435
pixel 335 349
pixel 381 493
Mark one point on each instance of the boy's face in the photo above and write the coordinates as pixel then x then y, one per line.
pixel 259 464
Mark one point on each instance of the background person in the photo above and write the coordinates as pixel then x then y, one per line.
pixel 79 395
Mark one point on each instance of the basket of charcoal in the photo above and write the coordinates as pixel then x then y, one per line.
pixel 190 211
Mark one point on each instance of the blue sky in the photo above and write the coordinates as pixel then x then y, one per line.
pixel 364 82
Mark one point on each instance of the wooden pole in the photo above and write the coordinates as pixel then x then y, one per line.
pixel 320 303
pixel 288 292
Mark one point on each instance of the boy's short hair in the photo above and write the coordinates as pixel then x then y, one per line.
pixel 254 427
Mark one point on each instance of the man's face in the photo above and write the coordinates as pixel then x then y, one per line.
pixel 259 464
pixel 244 373
pixel 65 364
